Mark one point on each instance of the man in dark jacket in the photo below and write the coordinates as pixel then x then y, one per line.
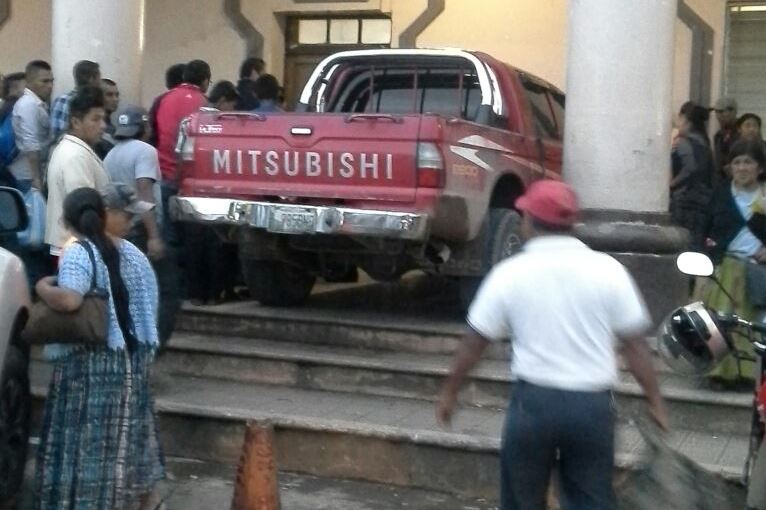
pixel 726 113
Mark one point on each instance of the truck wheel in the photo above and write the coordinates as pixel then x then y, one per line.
pixel 15 411
pixel 274 283
pixel 504 240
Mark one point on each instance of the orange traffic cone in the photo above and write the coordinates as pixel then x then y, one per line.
pixel 257 487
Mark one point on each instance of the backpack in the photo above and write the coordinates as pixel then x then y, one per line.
pixel 8 149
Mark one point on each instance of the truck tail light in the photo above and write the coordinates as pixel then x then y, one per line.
pixel 185 142
pixel 430 166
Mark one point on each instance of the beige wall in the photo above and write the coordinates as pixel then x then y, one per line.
pixel 182 30
pixel 26 35
pixel 528 35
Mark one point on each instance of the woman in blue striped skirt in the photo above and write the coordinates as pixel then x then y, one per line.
pixel 98 444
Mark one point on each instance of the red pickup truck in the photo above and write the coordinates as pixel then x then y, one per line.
pixel 395 160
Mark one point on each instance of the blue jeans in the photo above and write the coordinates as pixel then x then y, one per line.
pixel 572 431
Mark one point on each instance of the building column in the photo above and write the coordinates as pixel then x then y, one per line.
pixel 108 32
pixel 617 140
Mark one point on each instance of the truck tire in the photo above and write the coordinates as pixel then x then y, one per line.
pixel 15 412
pixel 504 240
pixel 274 283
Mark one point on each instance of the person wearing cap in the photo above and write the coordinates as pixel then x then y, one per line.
pixel 568 310
pixel 726 113
pixel 135 163
pixel 122 207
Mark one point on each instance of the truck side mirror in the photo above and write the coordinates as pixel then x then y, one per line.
pixel 13 212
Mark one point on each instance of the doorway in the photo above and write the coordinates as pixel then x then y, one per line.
pixel 310 39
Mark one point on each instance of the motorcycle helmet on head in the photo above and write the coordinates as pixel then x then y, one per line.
pixel 690 340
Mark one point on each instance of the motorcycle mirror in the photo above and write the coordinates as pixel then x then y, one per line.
pixel 695 264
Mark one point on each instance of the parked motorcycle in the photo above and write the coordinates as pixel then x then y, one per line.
pixel 695 338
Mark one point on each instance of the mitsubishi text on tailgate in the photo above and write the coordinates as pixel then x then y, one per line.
pixel 395 160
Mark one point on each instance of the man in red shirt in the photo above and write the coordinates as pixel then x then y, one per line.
pixel 177 104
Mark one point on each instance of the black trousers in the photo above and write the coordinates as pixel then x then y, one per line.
pixel 207 267
pixel 572 431
pixel 693 218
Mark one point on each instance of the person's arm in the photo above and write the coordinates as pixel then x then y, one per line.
pixel 33 159
pixel 467 356
pixel 147 174
pixel 145 193
pixel 630 320
pixel 59 299
pixel 487 321
pixel 75 276
pixel 635 351
pixel 27 131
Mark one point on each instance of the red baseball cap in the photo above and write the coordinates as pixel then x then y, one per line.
pixel 552 202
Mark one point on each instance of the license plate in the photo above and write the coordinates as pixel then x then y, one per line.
pixel 292 221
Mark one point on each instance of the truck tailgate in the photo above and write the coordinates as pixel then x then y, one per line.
pixel 323 156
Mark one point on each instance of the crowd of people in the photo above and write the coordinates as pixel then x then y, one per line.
pixel 105 173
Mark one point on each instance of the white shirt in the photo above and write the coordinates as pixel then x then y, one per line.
pixel 73 165
pixel 130 160
pixel 31 124
pixel 564 305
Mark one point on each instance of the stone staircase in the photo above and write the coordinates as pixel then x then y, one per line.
pixel 349 383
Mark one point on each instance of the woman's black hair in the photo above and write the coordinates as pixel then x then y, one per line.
pixel 267 87
pixel 225 90
pixel 747 116
pixel 697 117
pixel 752 148
pixel 84 211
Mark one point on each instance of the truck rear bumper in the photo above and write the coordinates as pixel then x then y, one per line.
pixel 300 219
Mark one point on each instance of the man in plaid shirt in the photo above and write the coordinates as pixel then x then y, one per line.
pixel 85 73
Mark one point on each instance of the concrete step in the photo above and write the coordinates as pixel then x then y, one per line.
pixel 360 328
pixel 419 376
pixel 352 327
pixel 374 438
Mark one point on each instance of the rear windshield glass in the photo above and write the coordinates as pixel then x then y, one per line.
pixel 449 92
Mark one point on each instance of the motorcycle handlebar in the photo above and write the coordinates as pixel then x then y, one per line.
pixel 731 320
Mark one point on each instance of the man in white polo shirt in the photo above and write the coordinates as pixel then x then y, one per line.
pixel 568 310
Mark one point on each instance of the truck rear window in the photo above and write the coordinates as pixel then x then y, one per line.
pixel 449 92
